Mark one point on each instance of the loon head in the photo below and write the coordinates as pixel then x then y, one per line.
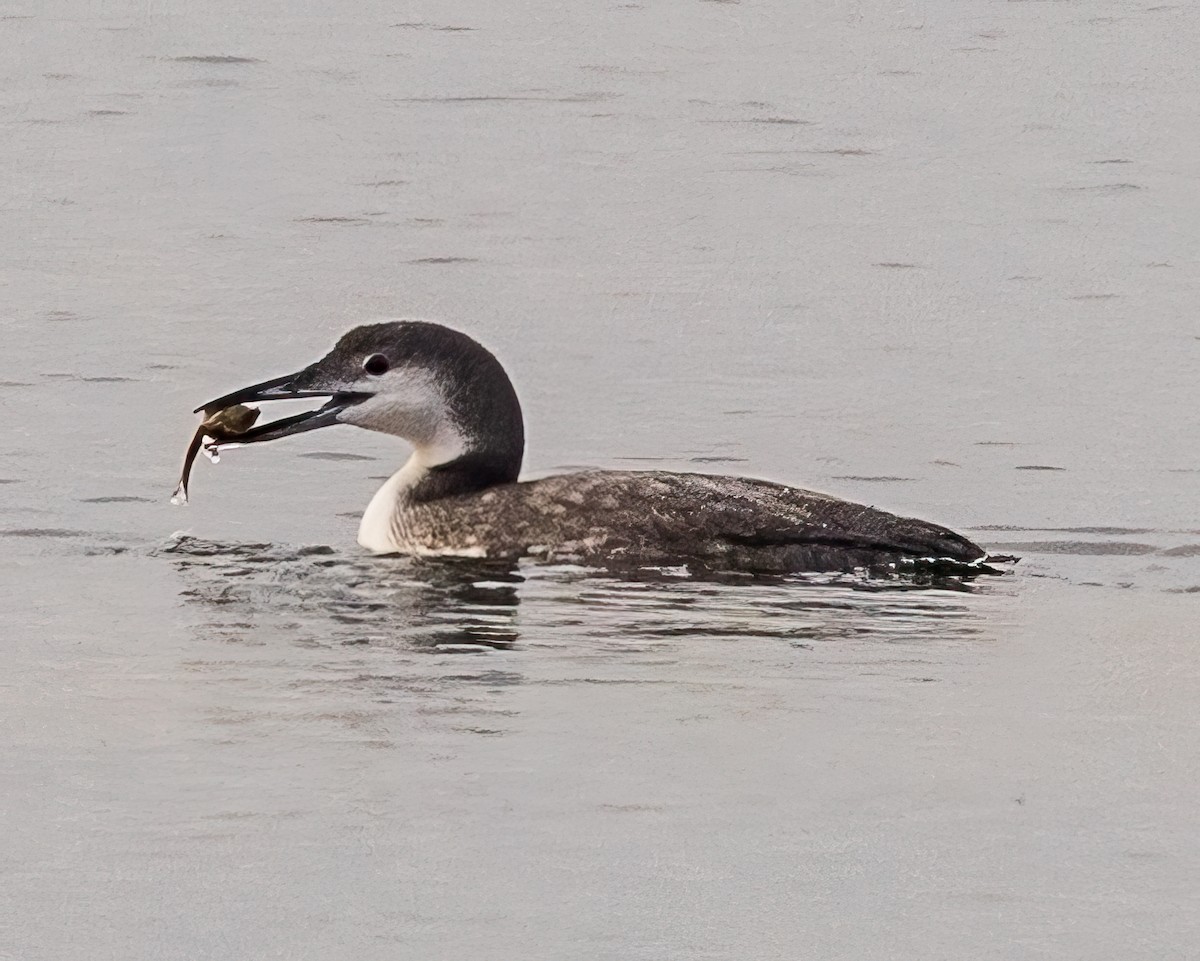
pixel 434 387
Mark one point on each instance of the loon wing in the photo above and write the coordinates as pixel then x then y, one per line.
pixel 753 520
pixel 730 523
pixel 754 513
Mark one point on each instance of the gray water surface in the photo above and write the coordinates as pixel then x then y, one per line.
pixel 939 259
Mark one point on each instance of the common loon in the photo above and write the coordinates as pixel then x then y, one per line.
pixel 458 494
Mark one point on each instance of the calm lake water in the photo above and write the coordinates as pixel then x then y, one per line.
pixel 941 260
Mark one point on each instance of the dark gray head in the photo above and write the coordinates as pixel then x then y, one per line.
pixel 435 387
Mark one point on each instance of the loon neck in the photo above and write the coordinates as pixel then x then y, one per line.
pixel 423 479
pixel 469 472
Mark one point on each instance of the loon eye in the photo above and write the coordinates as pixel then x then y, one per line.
pixel 376 364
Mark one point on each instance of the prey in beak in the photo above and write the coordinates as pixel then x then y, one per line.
pixel 412 380
pixel 229 422
pixel 290 387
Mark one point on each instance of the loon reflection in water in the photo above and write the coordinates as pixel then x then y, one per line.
pixel 458 494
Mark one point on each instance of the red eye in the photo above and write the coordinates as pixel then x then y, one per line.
pixel 376 364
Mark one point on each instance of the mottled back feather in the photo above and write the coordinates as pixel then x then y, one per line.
pixel 659 517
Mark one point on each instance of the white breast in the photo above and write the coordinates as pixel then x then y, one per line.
pixel 377 531
pixel 382 528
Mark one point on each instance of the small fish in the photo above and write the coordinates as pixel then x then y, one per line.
pixel 220 426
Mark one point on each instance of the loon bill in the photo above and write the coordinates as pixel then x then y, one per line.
pixel 458 493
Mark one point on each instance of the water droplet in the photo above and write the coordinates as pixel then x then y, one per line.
pixel 179 498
